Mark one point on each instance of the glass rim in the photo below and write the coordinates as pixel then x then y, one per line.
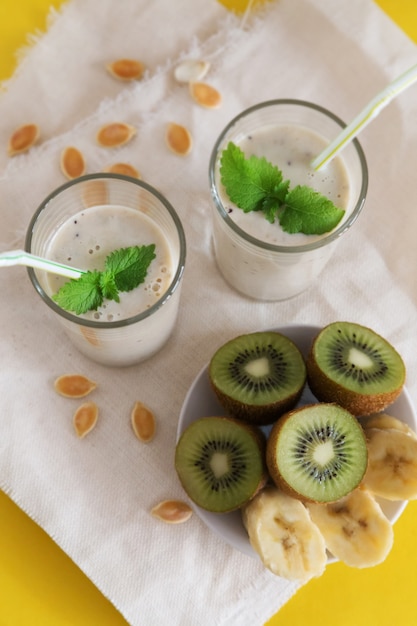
pixel 319 243
pixel 71 317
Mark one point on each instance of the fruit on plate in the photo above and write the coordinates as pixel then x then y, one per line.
pixel 385 421
pixel 392 466
pixel 355 529
pixel 355 367
pixel 317 452
pixel 258 376
pixel 282 533
pixel 220 462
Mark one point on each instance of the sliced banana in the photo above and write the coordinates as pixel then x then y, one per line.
pixel 383 421
pixel 354 528
pixel 392 464
pixel 281 532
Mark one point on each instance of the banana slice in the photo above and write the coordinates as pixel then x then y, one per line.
pixel 392 464
pixel 354 528
pixel 384 421
pixel 281 532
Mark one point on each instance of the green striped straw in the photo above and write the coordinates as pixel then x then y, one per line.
pixel 20 257
pixel 365 116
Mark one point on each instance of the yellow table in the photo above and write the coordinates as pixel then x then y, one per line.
pixel 40 585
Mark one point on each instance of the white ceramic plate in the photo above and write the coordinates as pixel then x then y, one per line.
pixel 200 401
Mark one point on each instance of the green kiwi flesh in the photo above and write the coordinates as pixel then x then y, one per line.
pixel 317 453
pixel 355 367
pixel 221 463
pixel 258 376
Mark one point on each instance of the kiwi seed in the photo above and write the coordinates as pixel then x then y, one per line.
pixel 317 453
pixel 221 463
pixel 355 367
pixel 258 376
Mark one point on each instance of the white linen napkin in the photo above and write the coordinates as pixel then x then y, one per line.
pixel 93 496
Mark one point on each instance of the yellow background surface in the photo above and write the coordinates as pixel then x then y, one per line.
pixel 41 586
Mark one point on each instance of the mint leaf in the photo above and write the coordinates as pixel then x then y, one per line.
pixel 255 184
pixel 129 266
pixel 80 294
pixel 125 269
pixel 307 211
pixel 248 182
pixel 108 286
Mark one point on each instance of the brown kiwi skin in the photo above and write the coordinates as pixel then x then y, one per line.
pixel 261 438
pixel 327 390
pixel 273 470
pixel 256 415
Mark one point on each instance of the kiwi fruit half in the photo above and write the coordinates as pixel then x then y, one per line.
pixel 258 376
pixel 221 463
pixel 317 453
pixel 355 367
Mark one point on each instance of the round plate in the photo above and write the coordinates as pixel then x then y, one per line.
pixel 201 401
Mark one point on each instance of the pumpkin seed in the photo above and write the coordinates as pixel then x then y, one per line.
pixel 143 422
pixel 72 162
pixel 126 69
pixel 191 71
pixel 178 139
pixel 94 193
pixel 85 418
pixel 172 511
pixel 115 134
pixel 123 168
pixel 74 385
pixel 205 95
pixel 23 138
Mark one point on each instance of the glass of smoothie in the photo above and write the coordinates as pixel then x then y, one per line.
pixel 257 257
pixel 80 224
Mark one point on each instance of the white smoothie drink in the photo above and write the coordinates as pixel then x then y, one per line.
pixel 258 258
pixel 292 149
pixel 87 238
pixel 80 225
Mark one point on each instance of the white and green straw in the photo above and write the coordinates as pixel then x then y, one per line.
pixel 365 116
pixel 20 257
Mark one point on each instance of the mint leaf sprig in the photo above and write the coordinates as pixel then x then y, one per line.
pixel 255 184
pixel 125 269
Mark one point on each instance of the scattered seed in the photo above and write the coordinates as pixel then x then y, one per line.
pixel 123 168
pixel 143 422
pixel 72 163
pixel 115 134
pixel 191 70
pixel 126 69
pixel 172 511
pixel 94 193
pixel 23 138
pixel 74 385
pixel 205 95
pixel 90 335
pixel 85 418
pixel 178 139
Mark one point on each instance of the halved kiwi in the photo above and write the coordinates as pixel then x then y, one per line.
pixel 258 376
pixel 355 367
pixel 220 462
pixel 317 453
